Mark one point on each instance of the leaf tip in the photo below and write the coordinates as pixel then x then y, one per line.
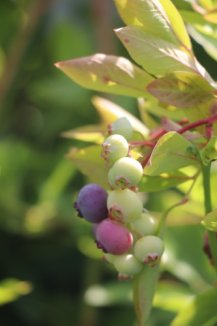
pixel 58 64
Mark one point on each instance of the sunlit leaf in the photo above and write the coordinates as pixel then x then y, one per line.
pixel 160 18
pixel 210 221
pixel 182 89
pixel 171 153
pixel 200 311
pixel 107 73
pixel 154 54
pixel 89 161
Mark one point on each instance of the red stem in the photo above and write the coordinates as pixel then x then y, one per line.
pixel 142 143
pixel 198 123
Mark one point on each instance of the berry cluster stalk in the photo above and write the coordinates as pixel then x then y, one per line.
pixel 208 208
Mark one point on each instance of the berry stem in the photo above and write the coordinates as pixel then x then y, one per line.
pixel 142 143
pixel 208 208
pixel 156 135
pixel 183 201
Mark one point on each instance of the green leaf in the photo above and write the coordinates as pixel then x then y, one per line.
pixel 209 152
pixel 143 292
pixel 152 106
pixel 208 4
pixel 211 16
pixel 171 295
pixel 89 161
pixel 210 221
pixel 200 311
pixel 202 31
pixel 182 89
pixel 151 183
pixel 171 153
pixel 206 37
pixel 154 54
pixel 177 23
pixel 90 133
pixel 160 18
pixel 186 262
pixel 12 289
pixel 107 73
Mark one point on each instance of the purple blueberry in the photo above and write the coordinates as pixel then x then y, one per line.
pixel 91 203
pixel 112 237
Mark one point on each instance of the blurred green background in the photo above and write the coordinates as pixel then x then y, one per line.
pixel 49 266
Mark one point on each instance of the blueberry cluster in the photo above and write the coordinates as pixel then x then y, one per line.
pixel 123 229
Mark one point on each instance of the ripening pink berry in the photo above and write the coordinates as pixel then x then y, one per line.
pixel 112 237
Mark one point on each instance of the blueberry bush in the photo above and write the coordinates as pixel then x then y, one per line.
pixel 140 248
pixel 170 146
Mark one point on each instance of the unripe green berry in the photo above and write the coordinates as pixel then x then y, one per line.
pixel 114 147
pixel 121 126
pixel 144 225
pixel 125 173
pixel 124 205
pixel 127 264
pixel 149 249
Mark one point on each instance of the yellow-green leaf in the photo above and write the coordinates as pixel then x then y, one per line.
pixel 90 133
pixel 171 153
pixel 182 89
pixel 211 16
pixel 176 22
pixel 159 18
pixel 199 311
pixel 12 289
pixel 154 54
pixel 210 221
pixel 88 160
pixel 147 14
pixel 107 73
